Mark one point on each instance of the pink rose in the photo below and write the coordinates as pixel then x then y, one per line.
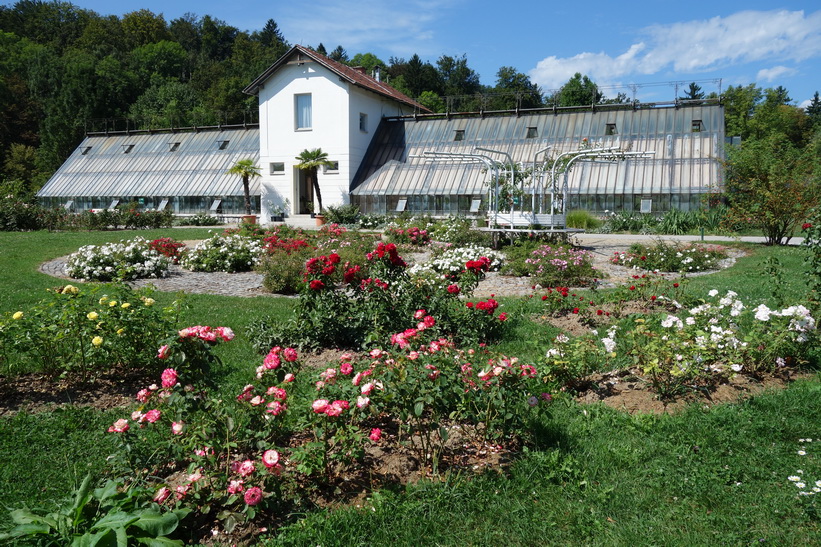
pixel 376 434
pixel 162 353
pixel 182 490
pixel 346 368
pixel 290 354
pixel 271 361
pixel 177 427
pixel 245 468
pixel 162 494
pixel 225 333
pixel 119 426
pixel 235 486
pixel 143 395
pixel 278 393
pixel 152 416
pixel 253 495
pixel 289 378
pixel 333 410
pixel 419 314
pixel 270 458
pixel 320 405
pixel 169 378
pixel 362 402
pixel 276 408
pixel 367 388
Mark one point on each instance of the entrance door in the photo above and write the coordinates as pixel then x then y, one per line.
pixel 304 193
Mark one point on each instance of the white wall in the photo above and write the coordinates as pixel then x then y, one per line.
pixel 336 106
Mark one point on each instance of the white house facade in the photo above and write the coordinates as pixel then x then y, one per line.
pixel 307 101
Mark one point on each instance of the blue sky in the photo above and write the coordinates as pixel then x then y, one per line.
pixel 615 43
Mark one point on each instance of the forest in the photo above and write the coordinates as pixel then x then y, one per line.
pixel 65 71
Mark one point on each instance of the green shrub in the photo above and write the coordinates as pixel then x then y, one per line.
pixel 342 214
pixel 583 220
pixel 88 331
pixel 283 271
pixel 677 222
pixel 200 219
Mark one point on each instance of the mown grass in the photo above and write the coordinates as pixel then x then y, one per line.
pixel 591 476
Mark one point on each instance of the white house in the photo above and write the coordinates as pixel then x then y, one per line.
pixel 308 101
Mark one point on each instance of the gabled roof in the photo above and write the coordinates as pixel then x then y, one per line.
pixel 148 164
pixel 345 72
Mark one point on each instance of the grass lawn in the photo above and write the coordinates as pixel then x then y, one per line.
pixel 592 475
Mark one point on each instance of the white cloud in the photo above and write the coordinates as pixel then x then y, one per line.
pixel 400 28
pixel 698 46
pixel 772 74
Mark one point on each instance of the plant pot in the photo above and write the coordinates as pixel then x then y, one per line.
pixel 249 219
pixel 277 218
pixel 320 220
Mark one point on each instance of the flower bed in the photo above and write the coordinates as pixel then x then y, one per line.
pixel 123 261
pixel 671 257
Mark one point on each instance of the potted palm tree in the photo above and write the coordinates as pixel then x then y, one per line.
pixel 310 161
pixel 247 170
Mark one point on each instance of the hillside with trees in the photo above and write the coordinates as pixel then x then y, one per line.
pixel 65 71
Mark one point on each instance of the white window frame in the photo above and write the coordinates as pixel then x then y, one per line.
pixel 273 168
pixel 303 112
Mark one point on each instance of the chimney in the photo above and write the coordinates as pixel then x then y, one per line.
pixel 376 74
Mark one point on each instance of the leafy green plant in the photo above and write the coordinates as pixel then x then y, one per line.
pixel 88 330
pixel 582 219
pixel 115 514
pixel 342 214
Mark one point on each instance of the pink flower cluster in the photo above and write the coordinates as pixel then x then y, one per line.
pixel 208 334
pixel 323 406
pixel 274 358
pixel 402 339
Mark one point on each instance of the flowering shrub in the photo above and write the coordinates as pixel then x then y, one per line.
pixel 88 330
pixel 552 266
pixel 347 304
pixel 231 253
pixel 169 247
pixel 456 263
pixel 812 243
pixel 226 455
pixel 671 257
pixel 123 261
pixel 720 337
pixel 411 236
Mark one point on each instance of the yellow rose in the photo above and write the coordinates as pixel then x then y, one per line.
pixel 125 305
pixel 93 315
pixel 103 300
pixel 17 315
pixel 149 301
pixel 112 303
pixel 70 289
pixel 120 331
pixel 97 341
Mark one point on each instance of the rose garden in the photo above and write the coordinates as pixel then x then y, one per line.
pixel 365 393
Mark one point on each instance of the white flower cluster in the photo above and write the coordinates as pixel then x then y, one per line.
pixel 801 322
pixel 232 253
pixel 123 261
pixel 798 480
pixel 453 259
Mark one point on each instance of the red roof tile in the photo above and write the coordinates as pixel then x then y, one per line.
pixel 350 74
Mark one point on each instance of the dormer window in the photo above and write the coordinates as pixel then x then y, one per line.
pixel 532 133
pixel 173 146
pixel 697 126
pixel 610 129
pixel 127 148
pixel 459 135
pixel 86 150
pixel 222 145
